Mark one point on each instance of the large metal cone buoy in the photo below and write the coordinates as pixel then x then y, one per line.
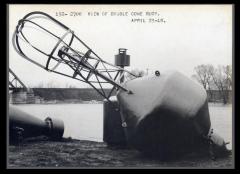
pixel 166 114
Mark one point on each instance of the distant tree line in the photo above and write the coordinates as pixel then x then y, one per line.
pixel 61 94
pixel 52 84
pixel 215 78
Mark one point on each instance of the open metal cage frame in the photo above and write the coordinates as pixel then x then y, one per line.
pixel 76 60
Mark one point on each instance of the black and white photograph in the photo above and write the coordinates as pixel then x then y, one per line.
pixel 120 86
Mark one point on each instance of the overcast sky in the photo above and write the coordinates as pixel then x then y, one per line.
pixel 190 36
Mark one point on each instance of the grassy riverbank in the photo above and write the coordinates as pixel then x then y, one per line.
pixel 79 153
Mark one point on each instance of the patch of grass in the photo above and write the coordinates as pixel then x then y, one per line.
pixel 75 153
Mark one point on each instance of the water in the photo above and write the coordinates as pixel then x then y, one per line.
pixel 221 120
pixel 85 121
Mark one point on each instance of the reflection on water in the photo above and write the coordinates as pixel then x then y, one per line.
pixel 85 121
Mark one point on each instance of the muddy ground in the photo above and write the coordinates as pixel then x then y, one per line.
pixel 41 152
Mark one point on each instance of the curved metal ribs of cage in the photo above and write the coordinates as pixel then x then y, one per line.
pixel 48 43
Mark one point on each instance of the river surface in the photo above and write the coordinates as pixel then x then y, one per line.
pixel 85 121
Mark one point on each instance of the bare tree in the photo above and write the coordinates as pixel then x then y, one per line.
pixel 203 76
pixel 221 81
pixel 228 72
pixel 211 78
pixel 209 70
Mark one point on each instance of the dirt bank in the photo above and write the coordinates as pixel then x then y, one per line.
pixel 75 153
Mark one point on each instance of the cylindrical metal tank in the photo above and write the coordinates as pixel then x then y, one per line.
pixel 31 126
pixel 113 133
pixel 122 59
